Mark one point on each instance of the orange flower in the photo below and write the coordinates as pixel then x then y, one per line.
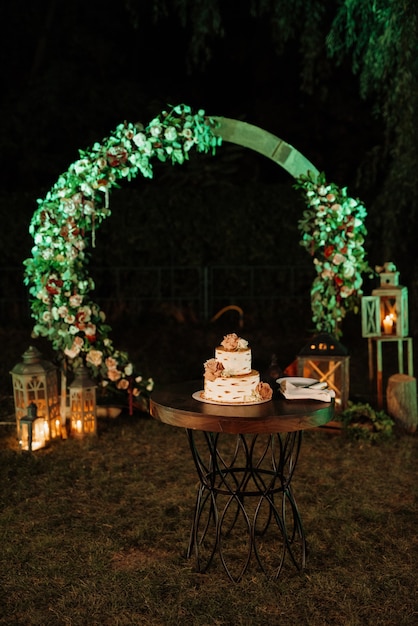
pixel 213 369
pixel 264 391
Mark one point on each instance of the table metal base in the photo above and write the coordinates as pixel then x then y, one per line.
pixel 245 504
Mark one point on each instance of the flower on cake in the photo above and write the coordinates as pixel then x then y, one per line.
pixel 213 369
pixel 333 232
pixel 64 227
pixel 263 391
pixel 232 343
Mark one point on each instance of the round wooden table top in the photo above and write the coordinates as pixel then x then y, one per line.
pixel 175 405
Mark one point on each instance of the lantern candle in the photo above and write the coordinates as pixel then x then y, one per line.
pixel 388 324
pixel 83 413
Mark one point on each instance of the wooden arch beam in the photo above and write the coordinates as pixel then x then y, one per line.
pixel 255 138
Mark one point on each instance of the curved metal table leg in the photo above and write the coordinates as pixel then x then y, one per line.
pixel 245 497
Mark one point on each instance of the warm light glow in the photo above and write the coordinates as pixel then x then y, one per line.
pixel 36 445
pixel 79 427
pixel 32 436
pixel 388 324
pixel 35 381
pixel 333 370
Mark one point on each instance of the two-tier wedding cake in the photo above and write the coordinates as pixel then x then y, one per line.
pixel 229 377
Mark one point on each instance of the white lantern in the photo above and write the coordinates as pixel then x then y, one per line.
pixel 385 312
pixel 384 321
pixel 35 381
pixel 83 412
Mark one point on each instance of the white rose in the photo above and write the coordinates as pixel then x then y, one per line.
pixel 348 271
pixel 139 140
pixel 170 133
pixel 155 131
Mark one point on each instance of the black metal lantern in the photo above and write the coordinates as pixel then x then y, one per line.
pixel 327 360
pixel 32 430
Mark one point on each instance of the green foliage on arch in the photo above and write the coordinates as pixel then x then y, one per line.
pixel 64 228
pixel 333 232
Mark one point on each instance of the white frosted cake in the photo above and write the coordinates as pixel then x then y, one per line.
pixel 229 377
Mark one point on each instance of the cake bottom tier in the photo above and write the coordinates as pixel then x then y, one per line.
pixel 232 388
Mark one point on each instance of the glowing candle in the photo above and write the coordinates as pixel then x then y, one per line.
pixel 388 325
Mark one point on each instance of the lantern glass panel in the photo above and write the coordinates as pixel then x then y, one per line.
pixel 33 433
pixel 83 415
pixel 334 370
pixel 393 310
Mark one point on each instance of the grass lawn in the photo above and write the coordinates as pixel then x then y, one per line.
pixel 95 532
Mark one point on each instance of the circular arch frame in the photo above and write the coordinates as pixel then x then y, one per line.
pixel 65 223
pixel 267 144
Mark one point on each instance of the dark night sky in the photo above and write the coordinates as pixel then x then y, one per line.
pixel 73 71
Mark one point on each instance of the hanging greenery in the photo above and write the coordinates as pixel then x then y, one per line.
pixel 333 232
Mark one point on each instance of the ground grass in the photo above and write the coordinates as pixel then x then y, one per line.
pixel 95 532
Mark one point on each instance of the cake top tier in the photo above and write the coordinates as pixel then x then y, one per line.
pixel 232 358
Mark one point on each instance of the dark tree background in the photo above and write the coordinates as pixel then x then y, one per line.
pixel 338 80
pixel 72 71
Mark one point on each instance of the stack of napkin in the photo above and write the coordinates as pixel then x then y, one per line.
pixel 317 391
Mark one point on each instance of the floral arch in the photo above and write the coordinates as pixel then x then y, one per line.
pixel 65 223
